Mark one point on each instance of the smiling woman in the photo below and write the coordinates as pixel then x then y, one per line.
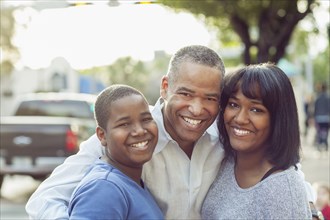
pixel 93 35
pixel 259 172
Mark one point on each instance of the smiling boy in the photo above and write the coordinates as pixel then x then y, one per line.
pixel 113 187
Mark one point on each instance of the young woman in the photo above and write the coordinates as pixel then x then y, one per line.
pixel 113 188
pixel 258 123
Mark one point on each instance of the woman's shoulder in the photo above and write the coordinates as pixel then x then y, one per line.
pixel 282 182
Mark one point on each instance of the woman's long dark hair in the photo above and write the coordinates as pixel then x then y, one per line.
pixel 270 84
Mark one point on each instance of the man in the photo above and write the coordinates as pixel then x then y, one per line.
pixel 187 156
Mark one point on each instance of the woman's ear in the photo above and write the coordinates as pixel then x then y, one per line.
pixel 101 133
pixel 164 87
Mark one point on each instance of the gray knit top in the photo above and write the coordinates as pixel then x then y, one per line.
pixel 281 195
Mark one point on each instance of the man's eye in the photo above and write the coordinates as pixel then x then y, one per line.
pixel 184 94
pixel 147 119
pixel 212 99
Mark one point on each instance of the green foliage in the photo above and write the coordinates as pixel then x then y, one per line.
pixel 321 67
pixel 145 76
pixel 265 25
pixel 8 50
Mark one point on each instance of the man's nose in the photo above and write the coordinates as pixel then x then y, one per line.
pixel 196 107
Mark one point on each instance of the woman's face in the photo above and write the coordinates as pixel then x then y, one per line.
pixel 247 123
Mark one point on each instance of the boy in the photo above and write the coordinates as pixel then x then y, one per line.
pixel 113 186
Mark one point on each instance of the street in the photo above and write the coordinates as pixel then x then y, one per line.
pixel 17 189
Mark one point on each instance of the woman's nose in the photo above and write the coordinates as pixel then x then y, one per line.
pixel 242 117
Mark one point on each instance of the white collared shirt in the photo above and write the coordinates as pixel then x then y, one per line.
pixel 180 184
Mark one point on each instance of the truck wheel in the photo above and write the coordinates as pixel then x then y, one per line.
pixel 1 181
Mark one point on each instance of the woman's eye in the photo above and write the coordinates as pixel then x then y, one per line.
pixel 232 104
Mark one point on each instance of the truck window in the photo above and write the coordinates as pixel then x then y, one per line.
pixel 60 108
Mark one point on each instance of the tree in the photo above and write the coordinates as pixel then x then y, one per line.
pixel 9 52
pixel 263 26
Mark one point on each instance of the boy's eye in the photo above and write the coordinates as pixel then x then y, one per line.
pixel 123 124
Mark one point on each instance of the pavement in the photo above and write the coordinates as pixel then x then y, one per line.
pixel 315 164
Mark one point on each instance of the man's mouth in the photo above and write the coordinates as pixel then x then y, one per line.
pixel 192 121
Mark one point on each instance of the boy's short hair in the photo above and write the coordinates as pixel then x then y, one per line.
pixel 107 97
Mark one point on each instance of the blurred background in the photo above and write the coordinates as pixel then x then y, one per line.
pixel 84 46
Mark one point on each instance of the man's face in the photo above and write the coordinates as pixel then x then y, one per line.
pixel 191 102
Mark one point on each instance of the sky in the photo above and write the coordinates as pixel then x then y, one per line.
pixel 94 35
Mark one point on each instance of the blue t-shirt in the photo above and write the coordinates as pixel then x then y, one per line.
pixel 107 193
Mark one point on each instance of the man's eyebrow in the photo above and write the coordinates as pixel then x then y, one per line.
pixel 146 113
pixel 185 89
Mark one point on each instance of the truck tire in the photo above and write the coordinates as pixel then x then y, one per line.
pixel 1 181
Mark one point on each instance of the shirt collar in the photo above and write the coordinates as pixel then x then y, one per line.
pixel 163 137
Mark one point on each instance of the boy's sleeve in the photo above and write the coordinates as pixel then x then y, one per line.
pixel 51 199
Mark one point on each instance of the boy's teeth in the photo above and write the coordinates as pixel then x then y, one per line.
pixel 192 121
pixel 140 145
pixel 241 132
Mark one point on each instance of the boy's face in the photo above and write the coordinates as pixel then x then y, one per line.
pixel 191 102
pixel 131 133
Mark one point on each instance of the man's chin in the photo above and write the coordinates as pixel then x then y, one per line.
pixel 190 136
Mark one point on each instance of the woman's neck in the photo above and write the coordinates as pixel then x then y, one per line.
pixel 250 168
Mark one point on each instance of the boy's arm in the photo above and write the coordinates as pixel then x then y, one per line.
pixel 50 200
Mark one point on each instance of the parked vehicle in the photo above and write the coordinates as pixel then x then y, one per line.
pixel 44 130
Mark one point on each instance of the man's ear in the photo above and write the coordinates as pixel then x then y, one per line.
pixel 164 87
pixel 100 132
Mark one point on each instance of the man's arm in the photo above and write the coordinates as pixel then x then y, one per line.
pixel 51 199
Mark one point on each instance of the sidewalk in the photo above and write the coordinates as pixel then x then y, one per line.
pixel 315 164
